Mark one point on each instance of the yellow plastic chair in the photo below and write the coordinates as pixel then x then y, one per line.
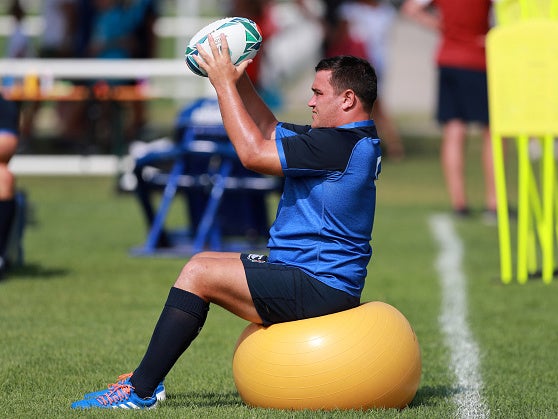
pixel 522 69
pixel 512 11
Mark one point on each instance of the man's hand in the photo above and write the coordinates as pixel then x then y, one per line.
pixel 218 64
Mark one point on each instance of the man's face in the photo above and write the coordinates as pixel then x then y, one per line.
pixel 325 103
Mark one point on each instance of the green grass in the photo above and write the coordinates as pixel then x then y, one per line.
pixel 81 310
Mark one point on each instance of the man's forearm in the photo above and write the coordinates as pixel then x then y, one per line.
pixel 256 107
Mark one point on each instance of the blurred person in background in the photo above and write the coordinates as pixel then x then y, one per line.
pixel 114 28
pixel 60 17
pixel 56 41
pixel 261 12
pixel 331 25
pixel 462 89
pixel 144 47
pixel 9 129
pixel 19 44
pixel 82 36
pixel 122 30
pixel 370 22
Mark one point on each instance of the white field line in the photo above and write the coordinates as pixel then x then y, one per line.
pixel 464 351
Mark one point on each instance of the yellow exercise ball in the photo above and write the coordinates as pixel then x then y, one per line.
pixel 362 358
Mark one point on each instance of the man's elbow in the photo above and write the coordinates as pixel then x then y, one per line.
pixel 253 161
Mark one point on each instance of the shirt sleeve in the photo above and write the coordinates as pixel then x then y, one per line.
pixel 305 151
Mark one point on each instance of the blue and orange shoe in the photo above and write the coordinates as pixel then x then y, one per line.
pixel 160 393
pixel 118 396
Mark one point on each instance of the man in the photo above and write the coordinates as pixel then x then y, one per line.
pixel 319 245
pixel 462 89
pixel 9 130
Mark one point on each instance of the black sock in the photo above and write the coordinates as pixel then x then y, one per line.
pixel 180 322
pixel 7 213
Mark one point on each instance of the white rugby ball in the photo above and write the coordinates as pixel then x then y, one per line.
pixel 243 36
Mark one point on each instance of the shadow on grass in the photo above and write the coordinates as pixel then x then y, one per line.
pixel 204 399
pixel 426 396
pixel 432 396
pixel 35 271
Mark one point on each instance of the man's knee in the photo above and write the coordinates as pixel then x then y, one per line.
pixel 8 147
pixel 192 274
pixel 7 183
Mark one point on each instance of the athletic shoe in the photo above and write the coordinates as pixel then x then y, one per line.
pixel 120 396
pixel 159 391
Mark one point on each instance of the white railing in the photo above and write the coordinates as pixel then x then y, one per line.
pixel 165 27
pixel 168 78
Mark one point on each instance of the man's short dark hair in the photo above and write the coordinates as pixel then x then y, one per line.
pixel 348 72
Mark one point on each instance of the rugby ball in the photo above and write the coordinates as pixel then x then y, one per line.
pixel 243 36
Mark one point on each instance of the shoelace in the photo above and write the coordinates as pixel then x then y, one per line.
pixel 116 394
pixel 120 380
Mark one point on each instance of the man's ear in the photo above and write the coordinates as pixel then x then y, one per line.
pixel 349 99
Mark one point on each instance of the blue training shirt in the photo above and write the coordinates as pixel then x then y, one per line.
pixel 330 189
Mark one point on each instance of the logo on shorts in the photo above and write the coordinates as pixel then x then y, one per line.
pixel 257 258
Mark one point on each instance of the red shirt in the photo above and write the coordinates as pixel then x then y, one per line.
pixel 464 27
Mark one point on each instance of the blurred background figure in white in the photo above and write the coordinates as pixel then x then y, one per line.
pixel 19 43
pixel 368 23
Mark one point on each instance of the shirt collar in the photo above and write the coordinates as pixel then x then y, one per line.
pixel 367 123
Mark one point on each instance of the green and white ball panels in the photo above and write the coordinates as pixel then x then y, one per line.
pixel 243 36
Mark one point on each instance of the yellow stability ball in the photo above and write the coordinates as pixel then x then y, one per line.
pixel 366 357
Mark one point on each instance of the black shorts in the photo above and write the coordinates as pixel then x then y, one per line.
pixel 462 94
pixel 284 293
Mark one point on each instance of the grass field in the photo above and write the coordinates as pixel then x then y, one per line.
pixel 81 310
